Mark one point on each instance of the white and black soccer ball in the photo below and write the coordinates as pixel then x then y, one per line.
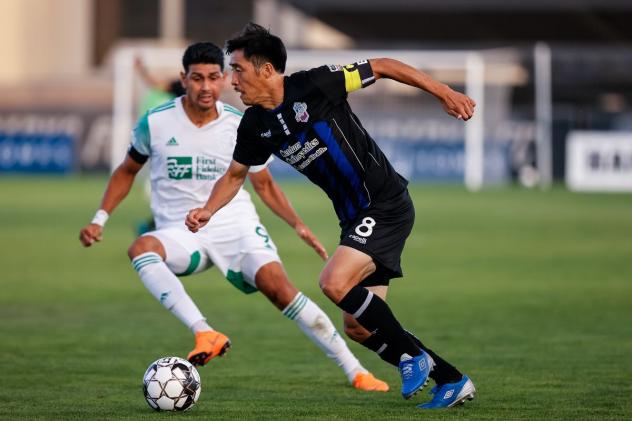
pixel 171 384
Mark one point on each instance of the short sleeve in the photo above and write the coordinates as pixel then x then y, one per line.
pixel 141 139
pixel 250 149
pixel 258 168
pixel 337 81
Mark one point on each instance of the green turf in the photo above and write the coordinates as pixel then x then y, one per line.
pixel 528 292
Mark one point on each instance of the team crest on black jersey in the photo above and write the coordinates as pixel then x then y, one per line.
pixel 300 108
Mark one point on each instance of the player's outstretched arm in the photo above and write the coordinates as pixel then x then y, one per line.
pixel 454 103
pixel 224 190
pixel 274 198
pixel 149 79
pixel 118 187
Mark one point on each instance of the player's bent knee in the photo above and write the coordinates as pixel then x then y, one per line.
pixel 332 289
pixel 146 244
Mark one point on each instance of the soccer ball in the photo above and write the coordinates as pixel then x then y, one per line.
pixel 171 384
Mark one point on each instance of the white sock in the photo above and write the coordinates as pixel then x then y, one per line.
pixel 319 328
pixel 201 326
pixel 168 289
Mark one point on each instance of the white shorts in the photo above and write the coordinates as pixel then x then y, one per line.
pixel 238 250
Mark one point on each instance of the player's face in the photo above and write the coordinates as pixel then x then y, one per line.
pixel 203 84
pixel 246 79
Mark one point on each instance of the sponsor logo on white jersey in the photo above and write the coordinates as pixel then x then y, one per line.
pixel 172 142
pixel 208 168
pixel 180 167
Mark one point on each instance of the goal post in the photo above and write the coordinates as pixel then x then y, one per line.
pixel 471 62
pixel 128 89
pixel 424 144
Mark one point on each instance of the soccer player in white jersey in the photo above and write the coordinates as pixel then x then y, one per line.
pixel 189 142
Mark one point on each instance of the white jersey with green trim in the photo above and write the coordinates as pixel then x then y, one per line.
pixel 186 161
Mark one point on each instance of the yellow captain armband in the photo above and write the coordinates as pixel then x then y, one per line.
pixel 352 79
pixel 358 75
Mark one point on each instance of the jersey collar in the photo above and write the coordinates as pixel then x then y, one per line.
pixel 184 118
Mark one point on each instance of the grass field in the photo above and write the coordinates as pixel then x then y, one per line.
pixel 530 293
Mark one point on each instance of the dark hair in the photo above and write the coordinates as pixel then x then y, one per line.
pixel 259 47
pixel 202 53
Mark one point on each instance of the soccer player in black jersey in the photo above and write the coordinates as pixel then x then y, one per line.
pixel 305 120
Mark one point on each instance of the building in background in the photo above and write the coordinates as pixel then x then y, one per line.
pixel 57 55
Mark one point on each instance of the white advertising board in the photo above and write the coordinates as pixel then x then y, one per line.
pixel 599 161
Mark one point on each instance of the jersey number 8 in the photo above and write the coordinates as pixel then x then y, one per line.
pixel 365 229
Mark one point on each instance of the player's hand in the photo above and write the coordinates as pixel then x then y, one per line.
pixel 197 218
pixel 308 236
pixel 457 104
pixel 90 234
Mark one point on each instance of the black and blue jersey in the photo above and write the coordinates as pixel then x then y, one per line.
pixel 315 131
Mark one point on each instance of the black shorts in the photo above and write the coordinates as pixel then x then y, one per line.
pixel 381 231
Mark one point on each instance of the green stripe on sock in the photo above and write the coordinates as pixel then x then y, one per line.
pixel 293 305
pixel 145 257
pixel 149 262
pixel 296 305
pixel 142 261
pixel 141 265
pixel 297 308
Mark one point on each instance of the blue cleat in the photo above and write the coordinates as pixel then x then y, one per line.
pixel 451 394
pixel 414 372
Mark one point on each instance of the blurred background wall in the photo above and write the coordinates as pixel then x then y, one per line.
pixel 57 76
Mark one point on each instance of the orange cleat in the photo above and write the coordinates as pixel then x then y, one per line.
pixel 368 382
pixel 208 344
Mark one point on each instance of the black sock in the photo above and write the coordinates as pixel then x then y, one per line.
pixel 444 372
pixel 376 344
pixel 375 316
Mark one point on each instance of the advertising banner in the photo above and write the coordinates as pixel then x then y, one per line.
pixel 599 161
